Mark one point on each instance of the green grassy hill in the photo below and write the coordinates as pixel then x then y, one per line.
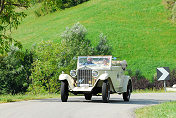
pixel 138 30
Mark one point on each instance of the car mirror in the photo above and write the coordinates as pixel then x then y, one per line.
pixel 114 58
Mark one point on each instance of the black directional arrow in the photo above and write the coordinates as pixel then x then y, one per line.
pixel 163 73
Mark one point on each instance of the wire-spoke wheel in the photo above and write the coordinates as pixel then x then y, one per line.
pixel 105 91
pixel 126 95
pixel 64 91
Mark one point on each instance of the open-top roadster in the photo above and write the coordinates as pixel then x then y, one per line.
pixel 94 75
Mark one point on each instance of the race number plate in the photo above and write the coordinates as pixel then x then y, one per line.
pixel 84 85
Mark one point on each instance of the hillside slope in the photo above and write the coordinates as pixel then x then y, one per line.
pixel 138 30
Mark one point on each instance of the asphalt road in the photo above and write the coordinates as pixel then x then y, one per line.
pixel 78 107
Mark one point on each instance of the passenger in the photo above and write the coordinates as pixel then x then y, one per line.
pixel 105 62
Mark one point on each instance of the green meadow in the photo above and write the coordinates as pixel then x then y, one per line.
pixel 164 110
pixel 138 30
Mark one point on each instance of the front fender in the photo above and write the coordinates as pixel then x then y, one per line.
pixel 103 76
pixel 125 83
pixel 68 78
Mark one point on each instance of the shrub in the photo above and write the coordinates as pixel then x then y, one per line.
pixel 140 82
pixel 174 12
pixel 35 1
pixel 52 58
pixel 169 83
pixel 75 43
pixel 49 6
pixel 169 4
pixel 15 71
pixel 103 48
pixel 45 70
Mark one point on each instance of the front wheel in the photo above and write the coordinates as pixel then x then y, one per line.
pixel 64 91
pixel 105 91
pixel 126 95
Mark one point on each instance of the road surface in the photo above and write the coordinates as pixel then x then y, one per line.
pixel 78 107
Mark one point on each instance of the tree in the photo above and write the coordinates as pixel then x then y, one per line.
pixel 10 18
pixel 75 43
pixel 103 48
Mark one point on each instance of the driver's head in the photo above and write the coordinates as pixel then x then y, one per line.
pixel 89 60
pixel 105 61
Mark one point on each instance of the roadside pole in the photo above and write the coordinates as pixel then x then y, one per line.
pixel 165 85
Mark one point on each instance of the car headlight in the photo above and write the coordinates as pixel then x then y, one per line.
pixel 94 73
pixel 73 73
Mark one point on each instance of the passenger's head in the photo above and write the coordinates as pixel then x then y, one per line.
pixel 105 61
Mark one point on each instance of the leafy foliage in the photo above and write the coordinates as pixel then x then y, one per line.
pixel 46 71
pixel 49 6
pixel 141 82
pixel 52 58
pixel 171 6
pixel 141 37
pixel 75 44
pixel 103 48
pixel 15 71
pixel 169 3
pixel 174 12
pixel 10 18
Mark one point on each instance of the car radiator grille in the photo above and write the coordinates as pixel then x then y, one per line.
pixel 84 76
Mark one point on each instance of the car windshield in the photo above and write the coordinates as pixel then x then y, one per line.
pixel 98 62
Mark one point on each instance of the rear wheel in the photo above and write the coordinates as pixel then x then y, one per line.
pixel 64 91
pixel 88 96
pixel 105 91
pixel 126 95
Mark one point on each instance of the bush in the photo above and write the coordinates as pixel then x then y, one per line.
pixel 45 70
pixel 49 6
pixel 43 10
pixel 75 43
pixel 52 58
pixel 169 83
pixel 15 71
pixel 174 12
pixel 140 82
pixel 169 4
pixel 33 2
pixel 103 48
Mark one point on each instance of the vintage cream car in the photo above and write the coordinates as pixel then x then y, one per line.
pixel 94 75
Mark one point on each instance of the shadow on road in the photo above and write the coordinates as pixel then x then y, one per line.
pixel 112 101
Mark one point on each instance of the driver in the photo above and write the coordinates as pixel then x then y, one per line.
pixel 89 61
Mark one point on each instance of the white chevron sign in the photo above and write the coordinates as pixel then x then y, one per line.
pixel 163 73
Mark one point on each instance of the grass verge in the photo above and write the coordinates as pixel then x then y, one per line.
pixel 21 97
pixel 164 110
pixel 150 91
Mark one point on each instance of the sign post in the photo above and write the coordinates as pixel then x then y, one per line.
pixel 163 75
pixel 165 85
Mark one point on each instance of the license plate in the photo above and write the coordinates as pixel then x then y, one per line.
pixel 84 85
